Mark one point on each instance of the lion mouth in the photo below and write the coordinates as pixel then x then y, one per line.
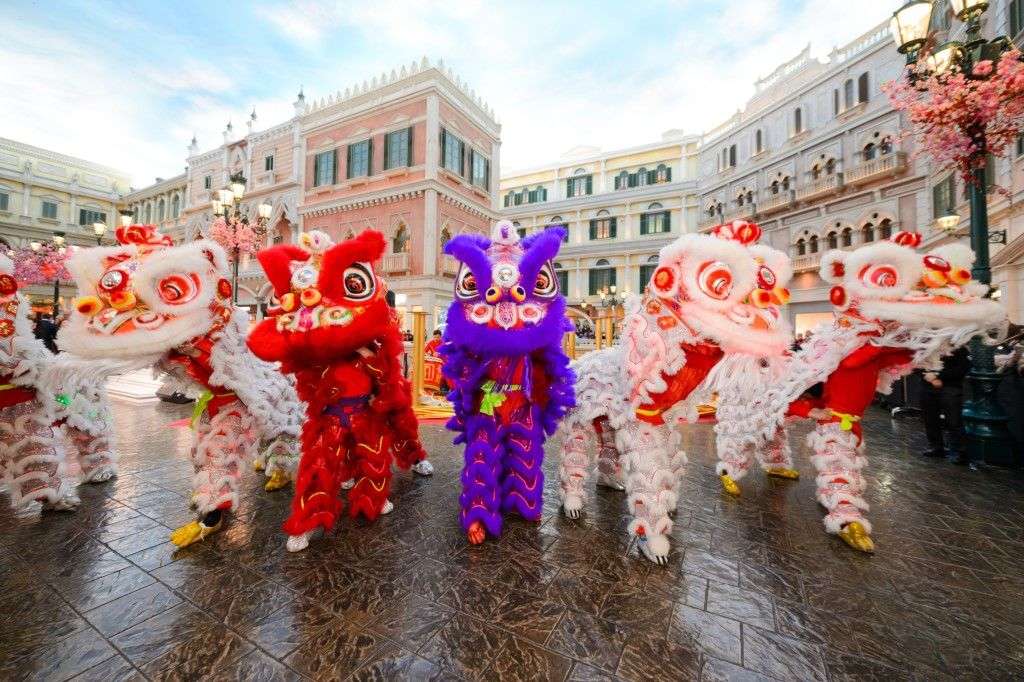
pixel 506 315
pixel 110 322
pixel 755 318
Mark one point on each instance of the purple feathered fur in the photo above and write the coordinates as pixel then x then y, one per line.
pixel 504 450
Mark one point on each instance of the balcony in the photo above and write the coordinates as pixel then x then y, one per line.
pixel 775 202
pixel 889 165
pixel 830 184
pixel 396 263
pixel 806 262
pixel 449 266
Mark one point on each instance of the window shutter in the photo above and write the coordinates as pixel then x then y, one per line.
pixel 334 166
pixel 593 230
pixel 643 223
pixel 668 221
pixel 369 156
pixel 568 187
pixel 592 276
pixel 937 200
pixel 444 149
pixel 487 174
pixel 387 158
pixel 668 174
pixel 590 184
pixel 611 233
pixel 408 158
pixel 316 170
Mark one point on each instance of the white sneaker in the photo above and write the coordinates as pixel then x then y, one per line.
pixel 387 508
pixel 423 468
pixel 297 543
pixel 349 484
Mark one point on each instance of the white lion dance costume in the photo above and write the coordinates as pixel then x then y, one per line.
pixel 709 323
pixel 46 448
pixel 896 311
pixel 170 307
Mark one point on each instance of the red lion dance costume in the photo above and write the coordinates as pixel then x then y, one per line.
pixel 896 310
pixel 337 334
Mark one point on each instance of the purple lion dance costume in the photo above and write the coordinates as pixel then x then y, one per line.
pixel 511 380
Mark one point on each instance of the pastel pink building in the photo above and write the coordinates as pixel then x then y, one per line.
pixel 415 156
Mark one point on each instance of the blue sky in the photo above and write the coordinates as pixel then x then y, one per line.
pixel 128 83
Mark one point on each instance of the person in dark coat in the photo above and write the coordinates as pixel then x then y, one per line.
pixel 943 396
pixel 46 331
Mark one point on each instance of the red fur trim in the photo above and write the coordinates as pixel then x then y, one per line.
pixel 367 247
pixel 276 262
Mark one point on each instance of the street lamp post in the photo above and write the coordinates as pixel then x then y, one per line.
pixel 985 422
pixel 58 246
pixel 99 229
pixel 227 205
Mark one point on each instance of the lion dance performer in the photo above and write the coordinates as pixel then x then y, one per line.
pixel 511 382
pixel 896 311
pixel 39 466
pixel 170 308
pixel 336 333
pixel 709 325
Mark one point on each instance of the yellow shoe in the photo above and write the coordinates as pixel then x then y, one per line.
pixel 277 480
pixel 730 485
pixel 259 465
pixel 783 472
pixel 193 532
pixel 857 537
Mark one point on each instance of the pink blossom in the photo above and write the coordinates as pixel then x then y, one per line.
pixel 983 68
pixel 233 234
pixel 42 266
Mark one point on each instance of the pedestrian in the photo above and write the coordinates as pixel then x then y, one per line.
pixel 46 331
pixel 942 403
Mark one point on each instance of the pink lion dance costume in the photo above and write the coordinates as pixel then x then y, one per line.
pixel 169 307
pixel 896 310
pixel 511 381
pixel 336 333
pixel 709 324
pixel 43 456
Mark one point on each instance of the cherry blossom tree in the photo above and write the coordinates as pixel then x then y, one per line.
pixel 41 266
pixel 235 235
pixel 959 118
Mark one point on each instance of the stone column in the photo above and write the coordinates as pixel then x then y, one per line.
pixel 430 235
pixel 433 132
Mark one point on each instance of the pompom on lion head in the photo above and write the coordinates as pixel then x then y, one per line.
pixel 727 288
pixel 331 301
pixel 891 282
pixel 145 295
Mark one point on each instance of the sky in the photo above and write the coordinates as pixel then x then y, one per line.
pixel 127 84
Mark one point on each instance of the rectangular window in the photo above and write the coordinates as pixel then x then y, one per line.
pixel 452 154
pixel 481 172
pixel 1020 138
pixel 944 197
pixel 603 228
pixel 835 102
pixel 398 149
pixel 87 217
pixel 268 163
pixel 325 168
pixel 580 185
pixel 563 281
pixel 601 279
pixel 848 94
pixel 655 223
pixel 360 161
pixel 50 210
pixel 1016 12
pixel 862 88
pixel 207 182
pixel 5 201
pixel 646 272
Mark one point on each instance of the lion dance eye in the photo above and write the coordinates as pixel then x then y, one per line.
pixel 466 286
pixel 880 276
pixel 358 280
pixel 545 285
pixel 178 289
pixel 715 280
pixel 766 278
pixel 113 280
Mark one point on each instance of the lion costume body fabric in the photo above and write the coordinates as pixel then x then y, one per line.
pixel 336 333
pixel 149 303
pixel 709 325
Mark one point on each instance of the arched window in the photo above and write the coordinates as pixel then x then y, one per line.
pixel 725 158
pixel 832 239
pixel 815 171
pixel 400 242
pixel 775 186
pixel 758 142
pixel 740 199
pixel 835 102
pixel 830 167
pixel 862 88
pixel 885 229
pixel 869 151
pixel 509 198
pixel 885 146
pixel 556 221
pixel 602 277
pixel 801 247
pixel 622 180
pixel 798 121
pixel 641 177
pixel 813 243
pixel 663 173
pixel 732 156
pixel 785 184
pixel 176 206
pixel 848 93
pixel 847 236
pixel 867 233
pixel 750 196
pixel 161 210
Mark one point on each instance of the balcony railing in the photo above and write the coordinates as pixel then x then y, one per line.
pixel 396 263
pixel 806 262
pixel 830 184
pixel 888 165
pixel 449 266
pixel 775 202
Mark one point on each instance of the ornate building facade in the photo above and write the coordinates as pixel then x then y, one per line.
pixel 620 208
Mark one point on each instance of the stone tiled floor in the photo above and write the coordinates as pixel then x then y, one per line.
pixel 755 589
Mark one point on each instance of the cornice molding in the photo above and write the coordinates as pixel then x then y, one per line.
pixel 386 196
pixel 38 152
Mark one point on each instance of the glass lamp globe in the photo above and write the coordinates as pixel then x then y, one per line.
pixel 965 9
pixel 909 25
